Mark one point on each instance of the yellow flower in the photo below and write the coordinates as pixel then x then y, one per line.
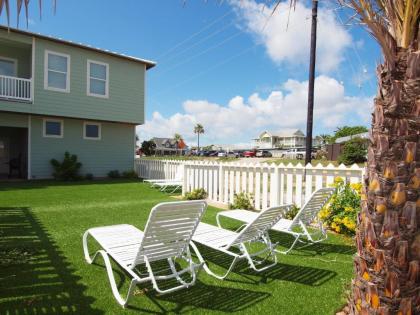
pixel 348 209
pixel 357 187
pixel 338 180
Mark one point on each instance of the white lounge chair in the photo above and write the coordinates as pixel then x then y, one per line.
pixel 306 215
pixel 177 178
pixel 225 240
pixel 167 236
pixel 170 186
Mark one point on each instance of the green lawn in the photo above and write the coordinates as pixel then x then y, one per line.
pixel 42 269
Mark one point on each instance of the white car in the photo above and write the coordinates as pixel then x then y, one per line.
pixel 222 154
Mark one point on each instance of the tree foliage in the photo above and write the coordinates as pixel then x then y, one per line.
pixel 346 131
pixel 148 147
pixel 354 151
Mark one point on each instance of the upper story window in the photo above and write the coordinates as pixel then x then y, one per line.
pixel 8 66
pixel 97 78
pixel 92 131
pixel 53 128
pixel 56 71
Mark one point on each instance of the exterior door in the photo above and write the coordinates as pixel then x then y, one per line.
pixel 4 155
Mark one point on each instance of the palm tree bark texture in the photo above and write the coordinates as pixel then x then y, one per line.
pixel 388 238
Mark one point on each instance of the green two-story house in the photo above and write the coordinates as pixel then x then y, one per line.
pixel 58 96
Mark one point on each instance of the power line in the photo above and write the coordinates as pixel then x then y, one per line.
pixel 194 35
pixel 198 42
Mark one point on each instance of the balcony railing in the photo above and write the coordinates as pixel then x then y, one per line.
pixel 13 88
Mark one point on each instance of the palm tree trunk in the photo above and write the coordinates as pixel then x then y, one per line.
pixel 387 263
pixel 198 142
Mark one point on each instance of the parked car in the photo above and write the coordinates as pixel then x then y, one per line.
pixel 263 153
pixel 297 153
pixel 250 153
pixel 213 153
pixel 232 154
pixel 222 154
pixel 239 153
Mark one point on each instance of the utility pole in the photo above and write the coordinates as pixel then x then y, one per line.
pixel 310 115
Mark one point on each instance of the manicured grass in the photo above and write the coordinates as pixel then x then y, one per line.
pixel 42 269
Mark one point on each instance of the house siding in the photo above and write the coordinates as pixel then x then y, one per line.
pixel 126 87
pixel 13 120
pixel 115 150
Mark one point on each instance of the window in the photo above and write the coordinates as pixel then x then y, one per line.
pixel 8 66
pixel 56 71
pixel 91 131
pixel 53 128
pixel 97 78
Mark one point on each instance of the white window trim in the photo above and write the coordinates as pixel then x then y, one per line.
pixel 99 130
pixel 52 120
pixel 15 61
pixel 46 87
pixel 88 93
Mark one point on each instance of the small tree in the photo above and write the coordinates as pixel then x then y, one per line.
pixel 68 169
pixel 178 139
pixel 198 129
pixel 148 147
pixel 354 151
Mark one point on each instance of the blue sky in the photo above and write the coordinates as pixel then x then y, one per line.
pixel 228 66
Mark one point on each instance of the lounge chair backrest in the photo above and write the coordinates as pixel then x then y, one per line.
pixel 310 210
pixel 261 224
pixel 169 229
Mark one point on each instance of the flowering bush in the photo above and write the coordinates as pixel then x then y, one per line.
pixel 341 211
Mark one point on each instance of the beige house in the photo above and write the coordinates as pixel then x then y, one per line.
pixel 277 140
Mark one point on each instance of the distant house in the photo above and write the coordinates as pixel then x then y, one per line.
pixel 285 139
pixel 169 146
pixel 58 96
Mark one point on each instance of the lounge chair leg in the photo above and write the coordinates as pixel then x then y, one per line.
pixel 251 261
pixel 207 269
pixel 290 248
pixel 175 274
pixel 123 302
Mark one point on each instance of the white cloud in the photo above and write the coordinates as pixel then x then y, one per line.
pixel 243 119
pixel 290 44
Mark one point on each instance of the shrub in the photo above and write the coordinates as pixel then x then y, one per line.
pixel 354 151
pixel 68 169
pixel 89 176
pixel 114 174
pixel 129 174
pixel 290 215
pixel 341 211
pixel 196 194
pixel 242 201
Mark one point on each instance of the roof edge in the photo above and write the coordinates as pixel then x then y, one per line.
pixel 149 64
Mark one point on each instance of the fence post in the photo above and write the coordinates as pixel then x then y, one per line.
pixel 275 186
pixel 185 179
pixel 221 182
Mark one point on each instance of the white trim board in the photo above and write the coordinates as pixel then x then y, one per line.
pixel 46 87
pixel 61 121
pixel 88 77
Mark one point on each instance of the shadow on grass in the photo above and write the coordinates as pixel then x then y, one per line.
pixel 197 297
pixel 35 277
pixel 45 183
pixel 293 273
pixel 215 298
pixel 306 248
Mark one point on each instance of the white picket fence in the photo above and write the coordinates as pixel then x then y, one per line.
pixel 269 184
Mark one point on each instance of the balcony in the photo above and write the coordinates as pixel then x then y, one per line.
pixel 15 89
